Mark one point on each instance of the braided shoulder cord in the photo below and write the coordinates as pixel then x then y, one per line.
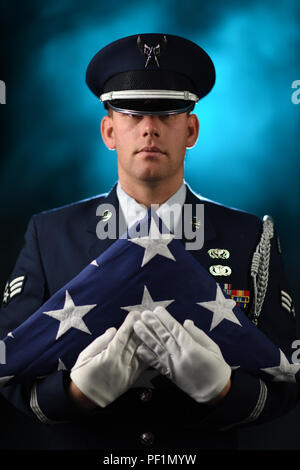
pixel 260 268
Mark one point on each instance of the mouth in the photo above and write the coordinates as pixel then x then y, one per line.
pixel 151 150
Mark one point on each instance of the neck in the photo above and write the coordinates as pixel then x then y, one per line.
pixel 148 193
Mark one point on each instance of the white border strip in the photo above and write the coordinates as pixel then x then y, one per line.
pixel 257 410
pixel 260 403
pixel 149 94
pixel 36 408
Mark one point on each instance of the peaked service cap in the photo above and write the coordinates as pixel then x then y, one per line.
pixel 151 74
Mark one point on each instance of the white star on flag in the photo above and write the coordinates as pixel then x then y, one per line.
pixel 148 303
pixel 61 365
pixel 94 263
pixel 284 372
pixel 70 316
pixel 155 243
pixel 221 308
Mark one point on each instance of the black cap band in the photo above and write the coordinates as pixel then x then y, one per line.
pixel 149 80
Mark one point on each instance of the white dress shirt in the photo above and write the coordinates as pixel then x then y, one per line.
pixel 169 211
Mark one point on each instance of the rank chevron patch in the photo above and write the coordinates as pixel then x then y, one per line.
pixel 13 288
pixel 287 302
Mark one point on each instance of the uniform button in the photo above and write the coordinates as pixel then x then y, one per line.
pixel 147 438
pixel 146 395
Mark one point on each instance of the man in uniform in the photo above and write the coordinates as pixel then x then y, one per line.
pixel 149 84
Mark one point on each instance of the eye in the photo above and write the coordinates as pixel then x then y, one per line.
pixel 134 116
pixel 165 117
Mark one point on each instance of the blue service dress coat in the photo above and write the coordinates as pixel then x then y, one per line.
pixel 58 245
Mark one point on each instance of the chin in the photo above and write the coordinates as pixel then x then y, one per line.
pixel 152 176
pixel 153 172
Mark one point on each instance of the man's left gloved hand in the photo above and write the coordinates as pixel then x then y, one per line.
pixel 185 354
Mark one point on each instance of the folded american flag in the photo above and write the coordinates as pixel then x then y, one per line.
pixel 138 273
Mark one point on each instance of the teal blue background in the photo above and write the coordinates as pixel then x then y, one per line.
pixel 247 155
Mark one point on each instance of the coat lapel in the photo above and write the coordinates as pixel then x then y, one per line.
pixel 97 217
pixel 110 203
pixel 191 202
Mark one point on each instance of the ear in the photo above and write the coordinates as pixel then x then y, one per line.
pixel 107 132
pixel 193 130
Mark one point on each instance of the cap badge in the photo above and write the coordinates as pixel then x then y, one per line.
pixel 151 52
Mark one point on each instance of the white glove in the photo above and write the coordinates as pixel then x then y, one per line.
pixel 108 366
pixel 186 355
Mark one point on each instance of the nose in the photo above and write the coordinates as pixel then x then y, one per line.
pixel 150 126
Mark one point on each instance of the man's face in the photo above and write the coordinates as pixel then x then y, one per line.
pixel 149 148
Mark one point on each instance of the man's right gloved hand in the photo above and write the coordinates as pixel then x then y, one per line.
pixel 108 367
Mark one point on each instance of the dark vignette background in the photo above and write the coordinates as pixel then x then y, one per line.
pixel 247 155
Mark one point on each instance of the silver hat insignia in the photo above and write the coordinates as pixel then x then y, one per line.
pixel 151 52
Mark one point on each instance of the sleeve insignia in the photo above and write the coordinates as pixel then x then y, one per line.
pixel 279 246
pixel 13 288
pixel 287 302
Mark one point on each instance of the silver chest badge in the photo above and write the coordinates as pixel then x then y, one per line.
pixel 220 270
pixel 220 253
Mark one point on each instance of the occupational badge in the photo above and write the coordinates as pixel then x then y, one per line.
pixel 220 253
pixel 220 270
